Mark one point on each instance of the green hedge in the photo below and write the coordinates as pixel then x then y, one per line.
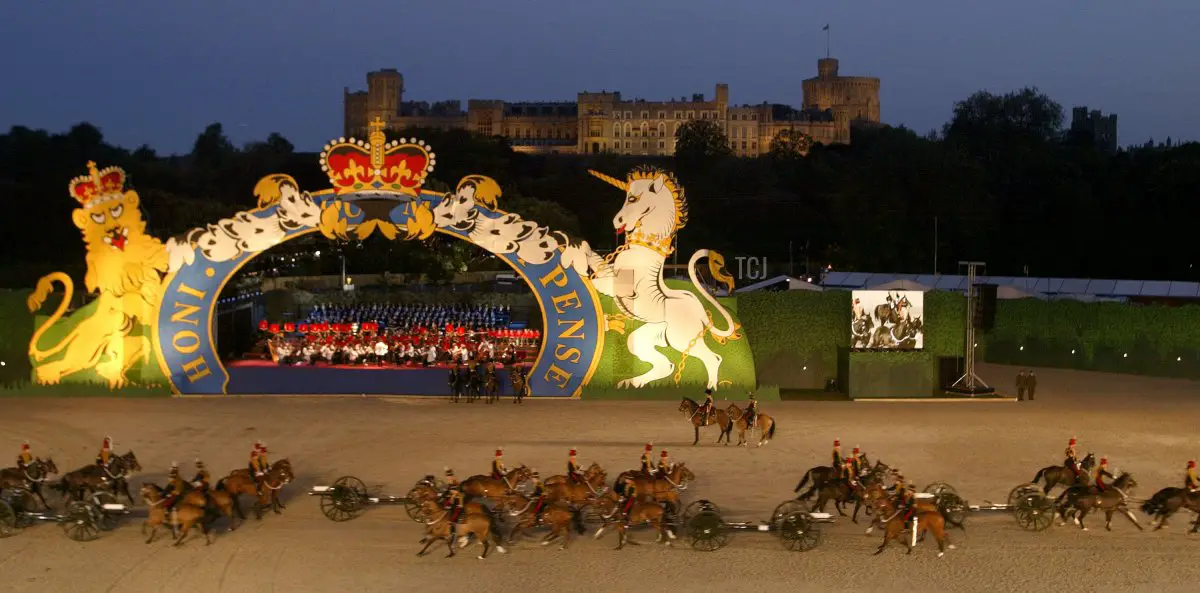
pixel 14 339
pixel 1111 337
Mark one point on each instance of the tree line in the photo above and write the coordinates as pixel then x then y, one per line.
pixel 1004 180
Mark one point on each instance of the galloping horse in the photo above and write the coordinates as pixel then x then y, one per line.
pixel 30 478
pixel 664 490
pixel 1167 501
pixel 424 492
pixel 182 518
pixel 557 515
pixel 75 485
pixel 719 417
pixel 641 513
pixel 239 481
pixel 1110 500
pixel 485 487
pixel 889 316
pixel 439 527
pixel 924 519
pixel 491 384
pixel 823 474
pixel 219 498
pixel 764 423
pixel 1061 474
pixel 562 488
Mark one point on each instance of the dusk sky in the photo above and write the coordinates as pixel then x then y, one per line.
pixel 157 72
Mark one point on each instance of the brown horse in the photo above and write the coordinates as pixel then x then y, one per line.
pixel 181 518
pixel 764 423
pixel 31 478
pixel 439 527
pixel 823 474
pixel 1167 501
pixel 924 519
pixel 1056 475
pixel 876 490
pixel 719 417
pixel 663 490
pixel 561 488
pixel 520 384
pixel 1112 499
pixel 239 482
pixel 219 498
pixel 641 513
pixel 491 384
pixel 557 515
pixel 90 478
pixel 481 486
pixel 424 492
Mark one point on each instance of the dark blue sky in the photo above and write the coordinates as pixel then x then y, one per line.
pixel 160 72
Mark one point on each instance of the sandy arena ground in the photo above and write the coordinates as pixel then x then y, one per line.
pixel 1145 426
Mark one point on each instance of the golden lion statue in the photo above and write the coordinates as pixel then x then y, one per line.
pixel 125 268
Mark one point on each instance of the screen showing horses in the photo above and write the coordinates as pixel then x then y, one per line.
pixel 887 320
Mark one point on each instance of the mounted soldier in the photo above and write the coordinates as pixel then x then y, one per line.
pixel 1072 460
pixel 629 496
pixel 1190 481
pixel 174 489
pixel 573 469
pixel 104 458
pixel 906 500
pixel 707 407
pixel 498 469
pixel 664 465
pixel 257 466
pixel 202 477
pixel 454 498
pixel 648 460
pixel 1101 473
pixel 25 457
pixel 751 414
pixel 539 495
pixel 838 464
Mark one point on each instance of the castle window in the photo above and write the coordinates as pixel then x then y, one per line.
pixel 743 145
pixel 626 144
pixel 662 115
pixel 644 143
pixel 617 130
pixel 678 115
pixel 628 129
pixel 661 144
pixel 754 145
pixel 616 115
pixel 645 126
pixel 645 115
pixel 691 115
pixel 662 130
pixel 628 115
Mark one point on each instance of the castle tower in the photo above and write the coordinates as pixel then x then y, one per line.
pixel 385 90
pixel 851 98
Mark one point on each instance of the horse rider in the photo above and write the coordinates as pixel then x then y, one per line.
pixel 856 462
pixel 664 465
pixel 648 460
pixel 105 457
pixel 1190 481
pixel 838 465
pixel 751 413
pixel 1101 473
pixel 1072 461
pixel 25 457
pixel 707 407
pixel 498 468
pixel 454 498
pixel 258 466
pixel 573 468
pixel 202 478
pixel 628 496
pixel 898 485
pixel 539 495
pixel 906 499
pixel 174 489
pixel 451 484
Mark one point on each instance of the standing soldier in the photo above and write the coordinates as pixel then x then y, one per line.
pixel 648 460
pixel 1021 381
pixel 1030 383
pixel 498 469
pixel 25 457
pixel 1190 481
pixel 573 468
pixel 664 465
pixel 837 458
pixel 105 457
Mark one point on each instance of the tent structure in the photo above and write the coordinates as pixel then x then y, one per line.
pixel 1008 292
pixel 781 283
pixel 901 284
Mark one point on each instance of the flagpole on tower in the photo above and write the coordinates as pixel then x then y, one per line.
pixel 826 40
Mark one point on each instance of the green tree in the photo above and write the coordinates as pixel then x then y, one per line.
pixel 790 144
pixel 701 141
pixel 212 148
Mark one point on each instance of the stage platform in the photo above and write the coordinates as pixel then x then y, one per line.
pixel 266 377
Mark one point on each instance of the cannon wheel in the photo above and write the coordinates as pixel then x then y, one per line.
pixel 697 507
pixel 707 532
pixel 346 499
pixel 80 521
pixel 1019 492
pixel 952 505
pixel 21 502
pixel 411 506
pixel 937 488
pixel 1034 511
pixel 798 532
pixel 786 508
pixel 104 520
pixel 8 520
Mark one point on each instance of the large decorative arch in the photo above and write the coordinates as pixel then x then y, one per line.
pixel 376 189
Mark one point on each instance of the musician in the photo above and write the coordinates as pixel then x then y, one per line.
pixel 498 469
pixel 648 460
pixel 573 473
pixel 381 350
pixel 1190 481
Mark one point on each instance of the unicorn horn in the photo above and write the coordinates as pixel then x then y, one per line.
pixel 613 181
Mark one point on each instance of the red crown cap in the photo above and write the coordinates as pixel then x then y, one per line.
pixel 1072 441
pixel 24 446
pixel 377 165
pixel 856 449
pixel 499 452
pixel 1103 461
pixel 649 447
pixel 572 453
pixel 1191 464
pixel 664 453
pixel 97 185
pixel 837 443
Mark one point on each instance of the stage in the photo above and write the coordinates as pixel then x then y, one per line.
pixel 266 377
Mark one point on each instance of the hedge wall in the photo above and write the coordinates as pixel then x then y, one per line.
pixel 14 339
pixel 1111 337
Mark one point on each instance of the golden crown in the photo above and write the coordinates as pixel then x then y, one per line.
pixel 98 185
pixel 377 165
pixel 663 244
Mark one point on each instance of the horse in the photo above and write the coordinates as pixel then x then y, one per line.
pixel 904 334
pixel 30 478
pixel 641 513
pixel 764 423
pixel 485 487
pixel 1167 501
pixel 664 490
pixel 562 488
pixel 425 492
pixel 888 315
pixel 219 498
pixel 474 383
pixel 520 384
pixel 1061 474
pixel 720 417
pixel 75 485
pixel 1084 499
pixel 240 481
pixel 557 515
pixel 182 518
pixel 440 528
pixel 456 385
pixel 491 384
pixel 924 519
pixel 823 474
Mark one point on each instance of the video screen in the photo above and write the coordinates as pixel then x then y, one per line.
pixel 887 320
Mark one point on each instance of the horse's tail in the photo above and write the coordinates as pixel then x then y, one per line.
pixel 803 480
pixel 771 431
pixel 716 265
pixel 1041 472
pixel 220 484
pixel 1157 504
